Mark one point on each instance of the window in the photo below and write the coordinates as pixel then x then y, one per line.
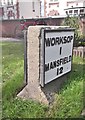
pixel 1 11
pixel 75 11
pixel 70 11
pixel 76 4
pixel 67 4
pixel 67 12
pixel 57 5
pixel 33 6
pixel 81 10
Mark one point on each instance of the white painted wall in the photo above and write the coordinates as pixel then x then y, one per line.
pixel 26 8
pixel 60 9
pixel 63 5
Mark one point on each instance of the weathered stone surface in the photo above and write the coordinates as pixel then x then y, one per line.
pixel 83 112
pixel 34 90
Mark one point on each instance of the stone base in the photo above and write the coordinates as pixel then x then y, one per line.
pixel 83 113
pixel 45 94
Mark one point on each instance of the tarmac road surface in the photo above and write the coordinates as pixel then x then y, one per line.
pixel 10 39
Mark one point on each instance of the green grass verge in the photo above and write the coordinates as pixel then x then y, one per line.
pixel 13 79
pixel 68 103
pixel 12 68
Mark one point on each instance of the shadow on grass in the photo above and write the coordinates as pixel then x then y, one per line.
pixel 70 100
pixel 77 73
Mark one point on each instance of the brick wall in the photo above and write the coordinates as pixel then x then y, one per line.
pixel 11 27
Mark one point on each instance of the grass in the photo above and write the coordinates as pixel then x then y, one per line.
pixel 13 81
pixel 13 73
pixel 70 99
pixel 68 103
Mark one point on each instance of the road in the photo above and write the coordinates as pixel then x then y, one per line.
pixel 10 39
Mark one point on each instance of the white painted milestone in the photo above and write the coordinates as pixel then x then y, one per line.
pixel 58 46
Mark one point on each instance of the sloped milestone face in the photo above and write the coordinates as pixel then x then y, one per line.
pixel 58 54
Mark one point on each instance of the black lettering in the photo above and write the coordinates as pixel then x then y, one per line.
pixel 57 39
pixel 47 42
pixel 57 71
pixel 58 63
pixel 71 37
pixel 70 58
pixel 65 40
pixel 61 60
pixel 61 70
pixel 46 67
pixel 65 60
pixel 60 50
pixel 52 41
pixel 59 42
pixel 54 63
pixel 51 65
